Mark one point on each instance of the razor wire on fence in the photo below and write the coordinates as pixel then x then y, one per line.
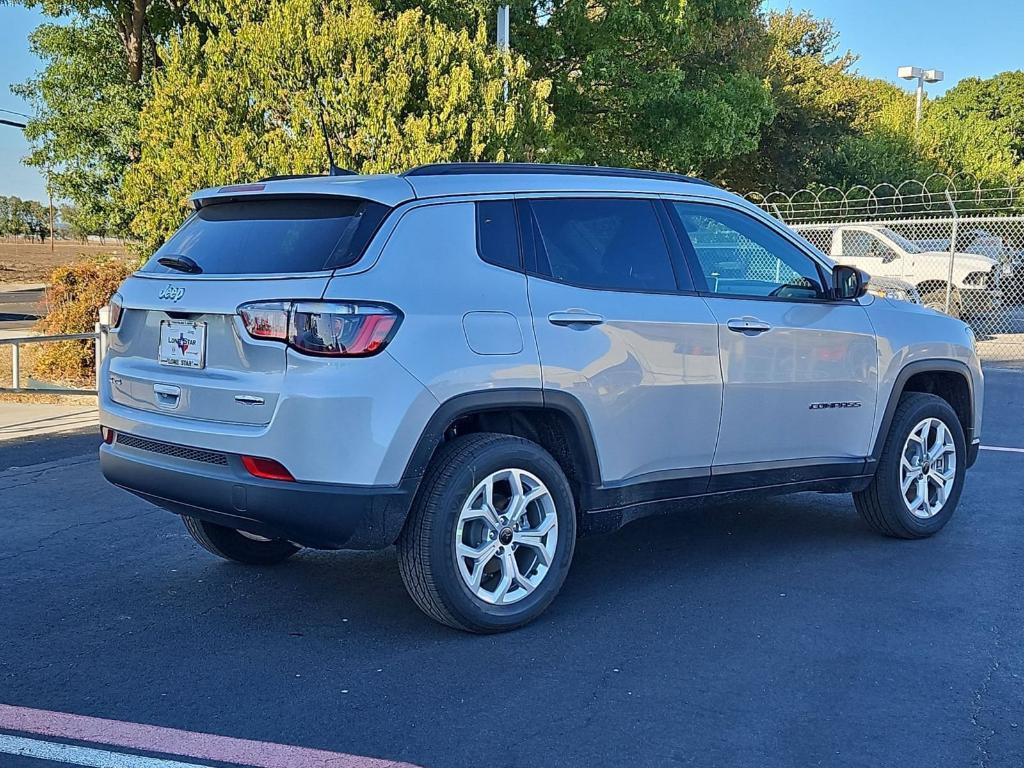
pixel 957 250
pixel 937 195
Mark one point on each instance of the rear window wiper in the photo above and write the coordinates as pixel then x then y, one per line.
pixel 180 263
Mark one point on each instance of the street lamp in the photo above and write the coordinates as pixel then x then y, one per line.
pixel 922 76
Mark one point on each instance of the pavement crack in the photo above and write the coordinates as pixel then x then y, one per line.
pixel 985 733
pixel 41 543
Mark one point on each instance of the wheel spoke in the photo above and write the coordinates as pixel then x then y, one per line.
pixel 513 565
pixel 909 476
pixel 523 503
pixel 479 554
pixel 939 448
pixel 505 583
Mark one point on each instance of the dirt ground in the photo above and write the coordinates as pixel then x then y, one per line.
pixel 24 262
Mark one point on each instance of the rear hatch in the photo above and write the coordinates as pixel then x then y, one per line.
pixel 180 347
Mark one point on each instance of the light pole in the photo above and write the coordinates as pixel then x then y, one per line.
pixel 504 42
pixel 922 76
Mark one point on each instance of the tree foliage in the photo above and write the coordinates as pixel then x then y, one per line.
pixel 24 218
pixel 397 91
pixel 977 129
pixel 98 57
pixel 831 126
pixel 667 84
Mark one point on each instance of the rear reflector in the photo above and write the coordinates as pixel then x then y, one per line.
pixel 107 434
pixel 268 469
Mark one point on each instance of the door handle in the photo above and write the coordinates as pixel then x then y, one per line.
pixel 749 325
pixel 574 317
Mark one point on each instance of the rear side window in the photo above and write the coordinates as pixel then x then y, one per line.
pixel 273 236
pixel 610 243
pixel 497 236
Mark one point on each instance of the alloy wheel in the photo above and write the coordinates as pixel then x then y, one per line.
pixel 927 468
pixel 506 536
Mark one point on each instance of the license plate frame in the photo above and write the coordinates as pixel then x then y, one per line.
pixel 182 344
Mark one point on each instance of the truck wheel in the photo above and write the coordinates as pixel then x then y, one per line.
pixel 491 534
pixel 920 474
pixel 937 300
pixel 238 546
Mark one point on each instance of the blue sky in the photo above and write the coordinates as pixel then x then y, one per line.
pixel 977 38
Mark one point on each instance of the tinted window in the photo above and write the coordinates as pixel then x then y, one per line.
pixel 271 236
pixel 602 243
pixel 497 236
pixel 739 255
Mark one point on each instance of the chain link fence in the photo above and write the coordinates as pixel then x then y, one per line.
pixel 969 267
pixel 944 242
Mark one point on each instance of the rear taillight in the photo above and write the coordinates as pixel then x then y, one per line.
pixel 268 469
pixel 323 328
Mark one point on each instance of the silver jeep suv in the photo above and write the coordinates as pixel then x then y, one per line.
pixel 479 362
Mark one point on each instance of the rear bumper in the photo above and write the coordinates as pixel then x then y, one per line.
pixel 217 488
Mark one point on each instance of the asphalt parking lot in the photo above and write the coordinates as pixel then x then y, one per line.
pixel 777 632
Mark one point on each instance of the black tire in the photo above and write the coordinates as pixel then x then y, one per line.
pixel 236 546
pixel 426 546
pixel 937 300
pixel 882 504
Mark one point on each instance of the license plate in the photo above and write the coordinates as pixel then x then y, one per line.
pixel 182 344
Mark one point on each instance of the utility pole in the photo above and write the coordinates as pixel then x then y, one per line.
pixel 922 76
pixel 49 196
pixel 504 41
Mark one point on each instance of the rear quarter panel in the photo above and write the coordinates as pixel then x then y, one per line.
pixel 467 325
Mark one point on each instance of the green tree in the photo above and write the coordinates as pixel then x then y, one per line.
pixel 98 57
pixel 832 126
pixel 397 91
pixel 669 84
pixel 977 128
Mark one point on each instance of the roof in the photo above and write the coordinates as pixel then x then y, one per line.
pixel 445 179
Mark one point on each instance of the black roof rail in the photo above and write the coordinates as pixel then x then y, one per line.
pixel 465 169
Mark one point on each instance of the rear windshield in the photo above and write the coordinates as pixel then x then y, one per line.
pixel 254 237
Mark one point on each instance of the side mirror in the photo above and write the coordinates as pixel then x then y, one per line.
pixel 849 282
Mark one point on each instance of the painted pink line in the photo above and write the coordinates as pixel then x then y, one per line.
pixel 171 741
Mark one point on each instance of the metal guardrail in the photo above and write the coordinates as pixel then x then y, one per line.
pixel 99 337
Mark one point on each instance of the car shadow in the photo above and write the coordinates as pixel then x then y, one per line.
pixel 324 591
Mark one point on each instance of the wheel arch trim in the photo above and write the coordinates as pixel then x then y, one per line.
pixel 471 403
pixel 912 369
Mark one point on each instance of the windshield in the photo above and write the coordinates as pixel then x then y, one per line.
pixel 271 236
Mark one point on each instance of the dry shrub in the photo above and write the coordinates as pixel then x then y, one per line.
pixel 74 297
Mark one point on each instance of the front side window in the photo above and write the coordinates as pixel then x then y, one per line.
pixel 740 256
pixel 609 243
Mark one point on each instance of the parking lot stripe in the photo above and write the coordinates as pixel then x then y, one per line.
pixel 999 448
pixel 171 741
pixel 86 756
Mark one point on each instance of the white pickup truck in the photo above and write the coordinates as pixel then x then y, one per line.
pixel 881 252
